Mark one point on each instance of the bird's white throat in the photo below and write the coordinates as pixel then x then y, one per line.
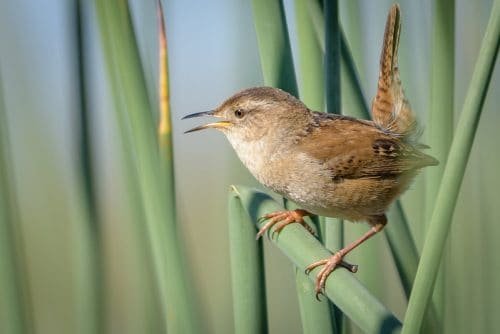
pixel 253 153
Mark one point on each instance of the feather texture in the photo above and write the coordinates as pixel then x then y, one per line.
pixel 390 108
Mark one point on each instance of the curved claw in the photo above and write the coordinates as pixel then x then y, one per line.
pixel 264 228
pixel 319 293
pixel 283 218
pixel 261 219
pixel 282 224
pixel 329 266
pixel 312 266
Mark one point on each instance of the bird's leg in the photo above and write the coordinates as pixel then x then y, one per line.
pixel 377 222
pixel 283 218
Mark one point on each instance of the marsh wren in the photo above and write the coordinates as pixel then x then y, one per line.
pixel 330 165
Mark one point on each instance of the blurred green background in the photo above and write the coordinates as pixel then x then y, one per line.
pixel 213 53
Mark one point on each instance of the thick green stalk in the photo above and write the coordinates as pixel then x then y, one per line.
pixel 318 20
pixel 247 272
pixel 15 315
pixel 91 278
pixel 129 88
pixel 11 303
pixel 332 56
pixel 274 45
pixel 453 174
pixel 165 121
pixel 403 248
pixel 355 101
pixel 316 316
pixel 312 77
pixel 440 124
pixel 351 88
pixel 302 249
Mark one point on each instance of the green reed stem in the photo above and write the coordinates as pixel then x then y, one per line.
pixel 15 303
pixel 274 45
pixel 135 115
pixel 312 76
pixel 440 123
pixel 247 272
pixel 91 278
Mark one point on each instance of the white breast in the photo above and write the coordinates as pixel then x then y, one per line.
pixel 295 176
pixel 253 154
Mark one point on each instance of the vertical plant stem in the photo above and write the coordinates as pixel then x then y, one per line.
pixel 440 124
pixel 167 174
pixel 176 302
pixel 165 122
pixel 348 72
pixel 312 78
pixel 316 316
pixel 274 45
pixel 355 103
pixel 91 278
pixel 403 248
pixel 453 174
pixel 332 56
pixel 247 271
pixel 15 303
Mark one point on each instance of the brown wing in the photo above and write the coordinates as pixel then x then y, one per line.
pixel 353 149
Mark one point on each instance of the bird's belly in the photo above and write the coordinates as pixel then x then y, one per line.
pixel 351 199
pixel 310 185
pixel 356 199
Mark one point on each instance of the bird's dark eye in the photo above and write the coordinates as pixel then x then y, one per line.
pixel 239 113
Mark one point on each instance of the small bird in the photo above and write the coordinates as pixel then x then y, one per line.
pixel 330 165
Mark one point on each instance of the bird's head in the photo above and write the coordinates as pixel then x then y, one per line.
pixel 254 113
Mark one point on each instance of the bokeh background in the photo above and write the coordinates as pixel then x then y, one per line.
pixel 213 53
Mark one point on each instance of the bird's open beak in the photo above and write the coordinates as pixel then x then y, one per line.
pixel 215 125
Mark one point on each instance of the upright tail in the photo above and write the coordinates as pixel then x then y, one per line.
pixel 390 108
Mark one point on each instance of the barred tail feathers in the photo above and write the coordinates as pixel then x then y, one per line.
pixel 390 108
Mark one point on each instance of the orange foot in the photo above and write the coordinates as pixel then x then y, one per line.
pixel 329 265
pixel 282 219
